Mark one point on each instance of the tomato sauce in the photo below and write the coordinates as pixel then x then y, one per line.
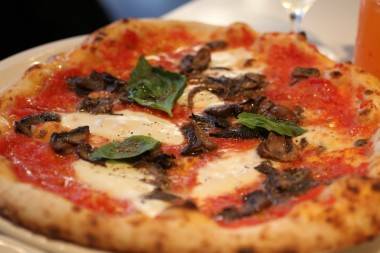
pixel 54 95
pixel 36 163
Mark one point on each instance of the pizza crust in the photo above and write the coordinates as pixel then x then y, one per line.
pixel 342 216
pixel 312 226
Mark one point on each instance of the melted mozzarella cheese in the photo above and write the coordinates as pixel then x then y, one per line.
pixel 230 58
pixel 327 138
pixel 225 175
pixel 201 100
pixel 120 181
pixel 128 123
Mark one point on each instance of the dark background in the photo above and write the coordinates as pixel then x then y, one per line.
pixel 26 24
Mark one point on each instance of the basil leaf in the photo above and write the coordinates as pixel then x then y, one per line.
pixel 155 87
pixel 281 127
pixel 130 147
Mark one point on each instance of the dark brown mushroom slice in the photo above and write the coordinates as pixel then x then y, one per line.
pixel 255 202
pixel 288 183
pixel 198 141
pixel 263 106
pixel 240 132
pixel 24 125
pixel 66 142
pixel 96 81
pixel 83 150
pixel 160 194
pixel 278 148
pixel 159 159
pixel 253 81
pixel 229 214
pixel 216 89
pixel 197 62
pixel 100 105
pixel 207 122
pixel 224 111
pixel 217 44
pixel 300 73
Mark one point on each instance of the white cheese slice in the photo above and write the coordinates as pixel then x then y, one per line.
pixel 230 58
pixel 128 123
pixel 201 100
pixel 328 138
pixel 232 171
pixel 120 181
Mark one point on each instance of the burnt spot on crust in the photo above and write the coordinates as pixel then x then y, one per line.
pixel 96 81
pixel 245 250
pixel 24 126
pixel 193 63
pixel 66 142
pixel 197 140
pixel 335 74
pixel 360 142
pixel 376 186
pixel 300 74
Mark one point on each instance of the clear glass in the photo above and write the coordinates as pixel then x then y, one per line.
pixel 297 10
pixel 367 50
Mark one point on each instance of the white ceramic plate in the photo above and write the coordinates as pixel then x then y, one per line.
pixel 11 69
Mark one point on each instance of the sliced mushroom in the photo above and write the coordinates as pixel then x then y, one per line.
pixel 255 202
pixel 66 142
pixel 197 140
pixel 300 74
pixel 217 44
pixel 262 105
pixel 290 182
pixel 96 81
pixel 159 159
pixel 278 148
pixel 240 132
pixel 196 63
pixel 100 105
pixel 160 194
pixel 206 122
pixel 83 150
pixel 24 126
pixel 224 111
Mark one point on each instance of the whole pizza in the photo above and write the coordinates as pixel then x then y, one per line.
pixel 177 137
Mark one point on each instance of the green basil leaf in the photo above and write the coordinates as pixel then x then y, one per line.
pixel 130 147
pixel 281 127
pixel 155 87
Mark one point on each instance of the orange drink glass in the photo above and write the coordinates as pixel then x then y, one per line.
pixel 367 52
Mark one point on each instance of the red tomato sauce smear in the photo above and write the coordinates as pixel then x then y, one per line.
pixel 36 163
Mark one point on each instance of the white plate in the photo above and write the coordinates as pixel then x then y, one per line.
pixel 11 69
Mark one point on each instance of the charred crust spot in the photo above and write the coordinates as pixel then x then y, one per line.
pixel 376 186
pixel 76 209
pixel 360 142
pixel 91 239
pixel 302 35
pixel 368 92
pixel 335 74
pixel 125 20
pixel 245 250
pixel 54 232
pixel 248 63
pixel 353 189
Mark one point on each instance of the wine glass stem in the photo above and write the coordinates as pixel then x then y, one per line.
pixel 296 19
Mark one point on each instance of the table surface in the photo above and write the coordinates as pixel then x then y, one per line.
pixel 332 23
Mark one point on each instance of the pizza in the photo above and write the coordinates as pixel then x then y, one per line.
pixel 169 136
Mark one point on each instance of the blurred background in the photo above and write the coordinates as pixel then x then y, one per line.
pixel 26 24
